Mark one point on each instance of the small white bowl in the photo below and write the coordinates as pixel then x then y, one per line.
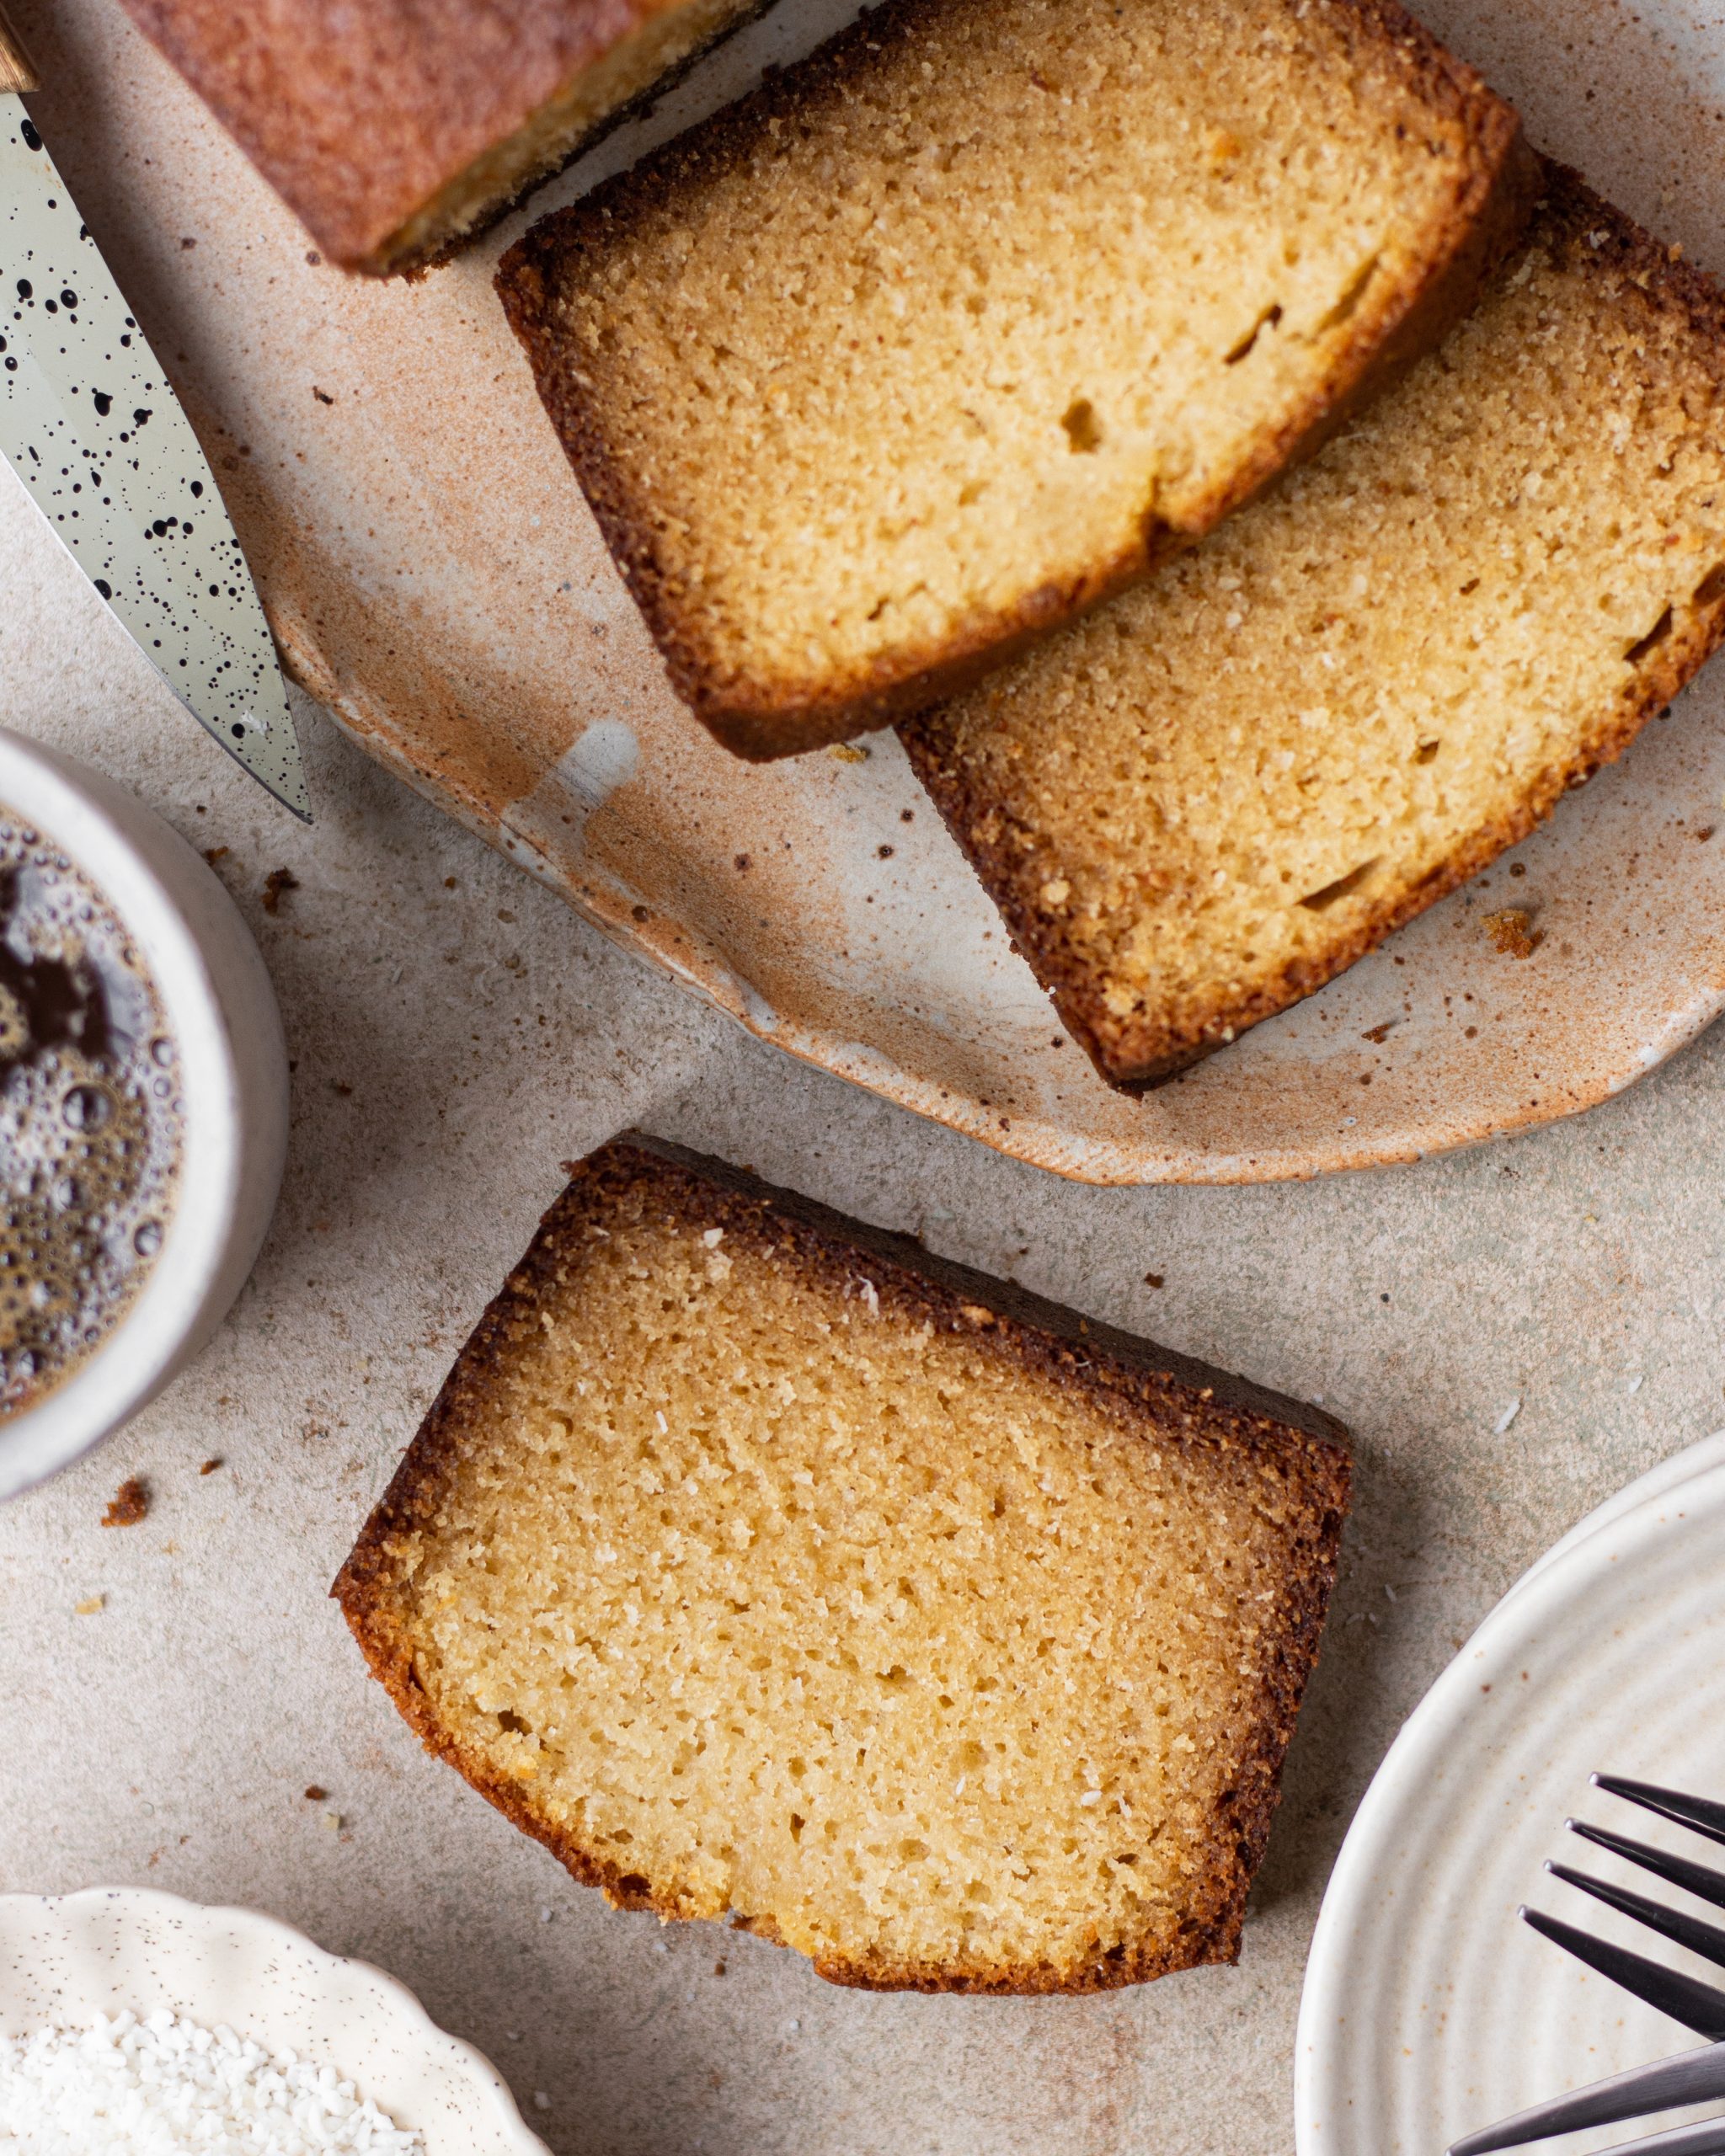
pixel 65 1959
pixel 220 1010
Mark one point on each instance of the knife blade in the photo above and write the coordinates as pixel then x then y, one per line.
pixel 89 422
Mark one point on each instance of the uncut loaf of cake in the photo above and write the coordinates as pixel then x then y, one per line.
pixel 396 129
pixel 1203 802
pixel 954 328
pixel 761 1565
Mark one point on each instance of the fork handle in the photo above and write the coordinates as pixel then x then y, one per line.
pixel 16 73
pixel 1692 2077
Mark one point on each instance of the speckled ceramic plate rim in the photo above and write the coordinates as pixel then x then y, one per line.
pixel 614 908
pixel 1607 1542
pixel 448 2091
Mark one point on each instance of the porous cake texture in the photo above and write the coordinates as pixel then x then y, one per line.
pixel 761 1565
pixel 953 329
pixel 396 129
pixel 1203 802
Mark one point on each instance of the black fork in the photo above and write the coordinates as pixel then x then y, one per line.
pixel 1693 2077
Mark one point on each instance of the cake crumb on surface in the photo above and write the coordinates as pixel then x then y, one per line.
pixel 130 1503
pixel 1512 933
pixel 276 886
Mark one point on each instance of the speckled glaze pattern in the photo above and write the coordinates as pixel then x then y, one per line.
pixel 435 577
pixel 1428 2010
pixel 64 1959
pixel 90 425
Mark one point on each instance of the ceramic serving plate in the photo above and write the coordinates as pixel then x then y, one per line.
pixel 65 1959
pixel 433 575
pixel 1428 2010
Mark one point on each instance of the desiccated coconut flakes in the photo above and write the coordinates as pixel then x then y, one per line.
pixel 164 2084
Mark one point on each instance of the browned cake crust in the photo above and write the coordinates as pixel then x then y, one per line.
pixel 761 720
pixel 1142 1051
pixel 360 116
pixel 1187 1400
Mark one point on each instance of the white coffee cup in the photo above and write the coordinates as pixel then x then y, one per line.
pixel 220 1011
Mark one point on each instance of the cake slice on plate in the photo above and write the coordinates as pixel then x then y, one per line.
pixel 955 328
pixel 398 129
pixel 763 1566
pixel 1203 802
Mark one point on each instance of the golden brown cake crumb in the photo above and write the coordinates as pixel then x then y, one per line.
pixel 276 886
pixel 130 1503
pixel 1512 932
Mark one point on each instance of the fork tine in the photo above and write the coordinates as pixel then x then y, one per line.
pixel 1706 1816
pixel 1679 1870
pixel 1706 1939
pixel 1697 2006
pixel 1693 2077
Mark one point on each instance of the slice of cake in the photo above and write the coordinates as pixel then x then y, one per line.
pixel 396 129
pixel 953 329
pixel 761 1565
pixel 1201 803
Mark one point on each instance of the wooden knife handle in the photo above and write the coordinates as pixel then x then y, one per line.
pixel 16 73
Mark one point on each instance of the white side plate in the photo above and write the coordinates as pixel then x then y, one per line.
pixel 1429 2009
pixel 65 1959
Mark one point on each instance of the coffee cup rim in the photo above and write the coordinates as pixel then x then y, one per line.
pixel 221 1013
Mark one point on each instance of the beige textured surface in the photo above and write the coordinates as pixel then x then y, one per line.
pixel 438 578
pixel 167 1740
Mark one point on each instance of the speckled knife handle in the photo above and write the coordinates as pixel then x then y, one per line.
pixel 16 73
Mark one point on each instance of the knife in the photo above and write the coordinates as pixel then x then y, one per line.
pixel 89 422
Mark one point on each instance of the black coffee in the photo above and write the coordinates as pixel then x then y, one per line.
pixel 91 1117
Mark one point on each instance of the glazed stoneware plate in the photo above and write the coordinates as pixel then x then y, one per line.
pixel 1428 2010
pixel 434 576
pixel 64 1959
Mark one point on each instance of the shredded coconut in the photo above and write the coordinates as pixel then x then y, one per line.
pixel 155 2087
